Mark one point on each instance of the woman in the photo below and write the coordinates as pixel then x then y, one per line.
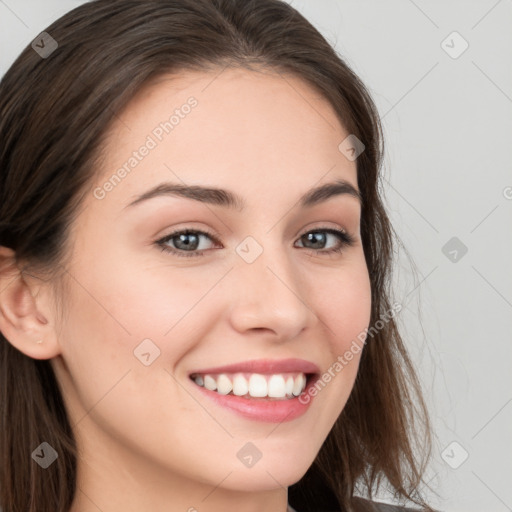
pixel 194 269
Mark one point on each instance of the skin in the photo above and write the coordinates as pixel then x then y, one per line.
pixel 148 438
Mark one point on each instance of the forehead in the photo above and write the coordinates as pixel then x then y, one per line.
pixel 245 130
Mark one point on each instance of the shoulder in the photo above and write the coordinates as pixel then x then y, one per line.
pixel 364 505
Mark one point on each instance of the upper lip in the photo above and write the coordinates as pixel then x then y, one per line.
pixel 264 366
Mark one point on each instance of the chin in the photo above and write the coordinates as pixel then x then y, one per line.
pixel 264 479
pixel 270 473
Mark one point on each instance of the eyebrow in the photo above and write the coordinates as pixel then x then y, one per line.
pixel 228 199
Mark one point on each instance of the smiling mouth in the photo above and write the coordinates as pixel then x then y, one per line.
pixel 275 386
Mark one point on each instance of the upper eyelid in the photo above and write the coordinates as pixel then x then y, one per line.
pixel 212 234
pixel 216 237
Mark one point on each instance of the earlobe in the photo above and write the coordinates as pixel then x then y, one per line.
pixel 21 323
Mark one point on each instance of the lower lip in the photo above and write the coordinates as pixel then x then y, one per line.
pixel 259 409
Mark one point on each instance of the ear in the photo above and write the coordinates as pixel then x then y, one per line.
pixel 25 313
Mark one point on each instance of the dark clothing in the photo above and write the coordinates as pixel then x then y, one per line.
pixel 363 505
pixel 313 494
pixel 373 506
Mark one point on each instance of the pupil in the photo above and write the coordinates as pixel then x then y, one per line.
pixel 183 239
pixel 316 237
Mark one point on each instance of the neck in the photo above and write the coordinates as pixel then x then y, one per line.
pixel 118 484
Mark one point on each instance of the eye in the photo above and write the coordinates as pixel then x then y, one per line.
pixel 187 242
pixel 321 235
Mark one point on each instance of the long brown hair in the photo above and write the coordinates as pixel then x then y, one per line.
pixel 54 114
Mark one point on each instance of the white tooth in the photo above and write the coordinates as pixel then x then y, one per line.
pixel 199 380
pixel 209 383
pixel 240 386
pixel 258 385
pixel 276 387
pixel 224 385
pixel 298 384
pixel 289 385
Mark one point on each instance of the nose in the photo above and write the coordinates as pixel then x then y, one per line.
pixel 268 294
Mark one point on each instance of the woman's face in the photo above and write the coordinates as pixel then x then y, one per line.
pixel 252 282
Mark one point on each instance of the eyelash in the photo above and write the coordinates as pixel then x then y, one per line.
pixel 346 240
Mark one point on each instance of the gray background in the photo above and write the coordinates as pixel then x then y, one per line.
pixel 448 130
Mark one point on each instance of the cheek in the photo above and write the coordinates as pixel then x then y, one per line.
pixel 109 385
pixel 345 309
pixel 344 303
pixel 153 301
pixel 114 309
